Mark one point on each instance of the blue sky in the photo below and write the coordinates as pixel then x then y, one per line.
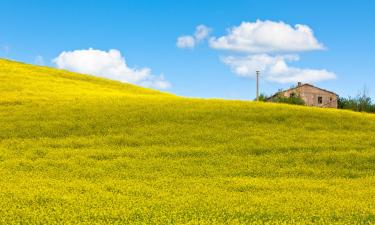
pixel 145 34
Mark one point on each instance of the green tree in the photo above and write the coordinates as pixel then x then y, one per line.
pixel 262 97
pixel 361 103
pixel 294 100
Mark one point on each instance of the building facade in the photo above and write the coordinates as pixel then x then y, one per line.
pixel 311 95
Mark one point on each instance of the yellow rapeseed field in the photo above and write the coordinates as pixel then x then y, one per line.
pixel 76 149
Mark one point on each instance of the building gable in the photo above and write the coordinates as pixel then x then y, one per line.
pixel 312 96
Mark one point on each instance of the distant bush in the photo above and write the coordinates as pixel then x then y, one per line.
pixel 262 97
pixel 294 100
pixel 361 103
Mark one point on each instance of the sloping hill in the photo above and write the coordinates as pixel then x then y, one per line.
pixel 79 149
pixel 23 81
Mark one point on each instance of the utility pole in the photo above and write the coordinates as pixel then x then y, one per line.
pixel 257 94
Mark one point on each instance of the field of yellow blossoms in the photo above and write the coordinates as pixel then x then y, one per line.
pixel 75 149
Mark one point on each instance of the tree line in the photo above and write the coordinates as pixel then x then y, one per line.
pixel 360 103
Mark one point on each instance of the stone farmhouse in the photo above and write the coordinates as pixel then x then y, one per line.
pixel 311 95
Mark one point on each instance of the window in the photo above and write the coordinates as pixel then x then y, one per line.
pixel 320 100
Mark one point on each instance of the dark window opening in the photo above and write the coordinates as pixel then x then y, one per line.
pixel 320 100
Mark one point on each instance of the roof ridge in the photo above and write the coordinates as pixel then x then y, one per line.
pixel 314 87
pixel 298 86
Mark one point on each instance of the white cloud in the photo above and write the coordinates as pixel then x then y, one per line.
pixel 275 68
pixel 201 32
pixel 185 42
pixel 39 60
pixel 266 37
pixel 262 41
pixel 110 65
pixel 188 41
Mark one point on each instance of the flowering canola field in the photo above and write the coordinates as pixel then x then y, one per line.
pixel 76 149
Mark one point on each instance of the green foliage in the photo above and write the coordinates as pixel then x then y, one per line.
pixel 361 103
pixel 262 98
pixel 81 150
pixel 293 100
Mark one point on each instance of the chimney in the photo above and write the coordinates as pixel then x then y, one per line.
pixel 299 84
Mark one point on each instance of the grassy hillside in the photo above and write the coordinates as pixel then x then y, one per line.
pixel 79 149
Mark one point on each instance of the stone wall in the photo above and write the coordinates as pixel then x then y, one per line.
pixel 312 96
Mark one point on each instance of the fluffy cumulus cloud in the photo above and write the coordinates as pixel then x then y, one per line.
pixel 185 42
pixel 108 64
pixel 266 37
pixel 201 33
pixel 270 47
pixel 275 68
